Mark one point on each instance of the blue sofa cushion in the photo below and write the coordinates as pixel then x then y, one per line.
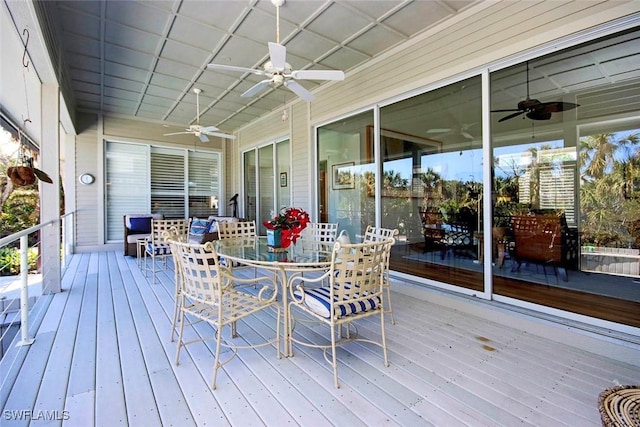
pixel 140 225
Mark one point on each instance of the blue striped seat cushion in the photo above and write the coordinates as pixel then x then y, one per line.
pixel 317 300
pixel 158 248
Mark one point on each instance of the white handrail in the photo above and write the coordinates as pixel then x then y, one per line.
pixel 23 236
pixel 24 292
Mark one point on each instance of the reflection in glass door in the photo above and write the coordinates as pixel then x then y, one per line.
pixel 266 194
pixel 283 177
pixel 250 185
pixel 267 181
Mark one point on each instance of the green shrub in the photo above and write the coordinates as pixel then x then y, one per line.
pixel 10 260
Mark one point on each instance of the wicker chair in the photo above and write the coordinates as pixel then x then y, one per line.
pixel 376 234
pixel 156 247
pixel 209 293
pixel 539 239
pixel 355 290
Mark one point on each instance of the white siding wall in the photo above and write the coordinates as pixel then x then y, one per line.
pixel 88 197
pixel 302 155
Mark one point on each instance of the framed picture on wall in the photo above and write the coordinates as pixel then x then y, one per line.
pixel 343 176
pixel 283 179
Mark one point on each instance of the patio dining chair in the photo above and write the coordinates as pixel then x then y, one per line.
pixel 354 291
pixel 209 294
pixel 171 236
pixel 375 234
pixel 157 248
pixel 231 230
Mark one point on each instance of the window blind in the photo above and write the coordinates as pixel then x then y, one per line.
pixel 204 184
pixel 127 185
pixel 167 182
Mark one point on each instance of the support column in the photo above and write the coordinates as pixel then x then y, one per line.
pixel 50 193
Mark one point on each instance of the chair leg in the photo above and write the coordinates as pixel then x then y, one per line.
pixel 390 309
pixel 334 361
pixel 216 362
pixel 384 339
pixel 180 333
pixel 177 308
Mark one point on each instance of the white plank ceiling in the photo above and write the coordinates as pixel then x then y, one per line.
pixel 143 58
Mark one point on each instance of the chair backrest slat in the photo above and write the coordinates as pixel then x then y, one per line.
pixel 229 230
pixel 159 227
pixel 199 270
pixel 357 270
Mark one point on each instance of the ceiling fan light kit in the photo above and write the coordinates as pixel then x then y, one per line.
pixel 278 71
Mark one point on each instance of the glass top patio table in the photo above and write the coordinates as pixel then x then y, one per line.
pixel 254 251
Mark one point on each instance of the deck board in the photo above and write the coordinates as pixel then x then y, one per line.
pixel 103 354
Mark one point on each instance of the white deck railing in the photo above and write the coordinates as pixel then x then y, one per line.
pixel 15 311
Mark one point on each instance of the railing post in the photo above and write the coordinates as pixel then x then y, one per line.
pixel 24 291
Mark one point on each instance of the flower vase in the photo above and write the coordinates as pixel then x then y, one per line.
pixel 274 238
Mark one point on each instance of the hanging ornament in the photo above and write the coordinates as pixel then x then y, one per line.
pixel 25 174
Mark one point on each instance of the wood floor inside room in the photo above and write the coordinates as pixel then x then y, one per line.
pixel 554 293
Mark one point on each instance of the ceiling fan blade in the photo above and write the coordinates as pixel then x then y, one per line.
pixel 221 135
pixel 297 88
pixel 439 130
pixel 208 129
pixel 256 88
pixel 511 116
pixel 176 133
pixel 278 56
pixel 466 134
pixel 203 137
pixel 42 176
pixel 505 111
pixel 234 68
pixel 318 75
pixel 557 106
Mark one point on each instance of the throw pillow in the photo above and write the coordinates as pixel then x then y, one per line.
pixel 198 226
pixel 140 225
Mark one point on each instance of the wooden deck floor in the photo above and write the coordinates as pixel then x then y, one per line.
pixel 102 356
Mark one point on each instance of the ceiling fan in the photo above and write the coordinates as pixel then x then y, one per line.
pixel 202 131
pixel 534 109
pixel 462 129
pixel 278 72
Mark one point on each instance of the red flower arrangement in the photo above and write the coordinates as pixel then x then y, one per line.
pixel 291 222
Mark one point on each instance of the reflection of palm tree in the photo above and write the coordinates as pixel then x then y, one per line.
pixel 608 166
pixel 432 182
pixel 393 180
pixel 597 152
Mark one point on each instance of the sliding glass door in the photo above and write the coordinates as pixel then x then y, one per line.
pixel 563 228
pixel 266 181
